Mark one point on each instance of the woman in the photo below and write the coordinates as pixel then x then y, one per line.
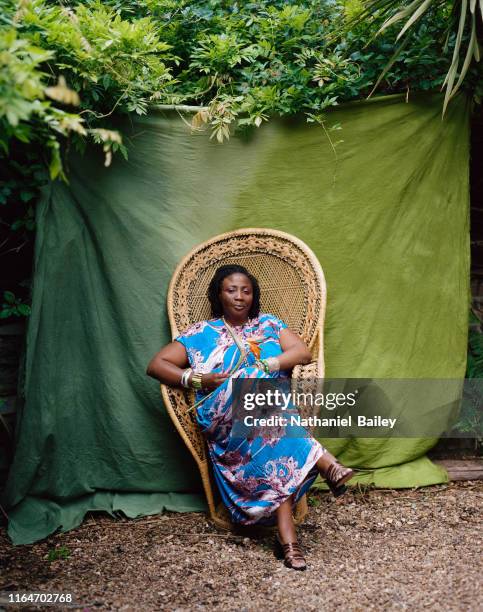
pixel 258 477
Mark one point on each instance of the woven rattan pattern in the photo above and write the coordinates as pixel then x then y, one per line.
pixel 179 400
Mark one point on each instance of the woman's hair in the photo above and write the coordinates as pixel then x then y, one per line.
pixel 215 288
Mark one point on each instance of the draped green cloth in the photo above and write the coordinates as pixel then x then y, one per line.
pixel 387 216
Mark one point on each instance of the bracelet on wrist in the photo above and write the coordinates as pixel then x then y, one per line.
pixel 196 380
pixel 261 364
pixel 273 364
pixel 268 365
pixel 185 377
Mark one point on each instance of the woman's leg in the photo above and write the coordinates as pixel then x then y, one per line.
pixel 286 526
pixel 288 537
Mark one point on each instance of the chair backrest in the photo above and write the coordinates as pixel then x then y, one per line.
pixel 292 283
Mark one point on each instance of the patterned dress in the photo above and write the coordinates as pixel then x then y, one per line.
pixel 254 475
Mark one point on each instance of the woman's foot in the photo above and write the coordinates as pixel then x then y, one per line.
pixel 335 474
pixel 292 555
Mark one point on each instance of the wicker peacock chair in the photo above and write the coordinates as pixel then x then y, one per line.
pixel 292 287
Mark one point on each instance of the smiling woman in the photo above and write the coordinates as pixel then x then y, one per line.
pixel 259 478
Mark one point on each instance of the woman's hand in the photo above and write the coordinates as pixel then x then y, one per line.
pixel 169 363
pixel 212 381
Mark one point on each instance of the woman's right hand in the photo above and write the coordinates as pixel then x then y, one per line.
pixel 212 380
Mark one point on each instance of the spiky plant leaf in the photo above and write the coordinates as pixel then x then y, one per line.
pixel 396 11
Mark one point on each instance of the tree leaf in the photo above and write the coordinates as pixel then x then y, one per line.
pixel 414 17
pixel 450 77
pixel 24 309
pixel 401 14
pixel 390 63
pixel 469 52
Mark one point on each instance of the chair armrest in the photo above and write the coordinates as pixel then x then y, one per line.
pixel 307 379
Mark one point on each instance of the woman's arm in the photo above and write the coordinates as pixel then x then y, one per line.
pixel 168 364
pixel 295 351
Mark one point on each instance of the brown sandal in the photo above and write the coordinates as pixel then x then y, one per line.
pixel 336 477
pixel 292 555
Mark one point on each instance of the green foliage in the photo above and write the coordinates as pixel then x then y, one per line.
pixel 54 58
pixel 245 62
pixel 22 177
pixel 265 59
pixel 64 73
pixel 464 21
pixel 58 553
pixel 13 306
pixel 107 60
pixel 21 86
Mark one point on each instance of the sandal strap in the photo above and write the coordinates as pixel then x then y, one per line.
pixel 336 472
pixel 292 550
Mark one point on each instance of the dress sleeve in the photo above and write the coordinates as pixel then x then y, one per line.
pixel 188 338
pixel 183 339
pixel 193 339
pixel 276 324
pixel 190 333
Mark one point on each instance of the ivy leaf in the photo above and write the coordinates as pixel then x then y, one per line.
pixel 24 309
pixel 26 196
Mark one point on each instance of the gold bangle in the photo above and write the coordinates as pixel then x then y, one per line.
pixel 196 378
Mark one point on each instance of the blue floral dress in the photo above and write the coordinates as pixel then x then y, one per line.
pixel 254 475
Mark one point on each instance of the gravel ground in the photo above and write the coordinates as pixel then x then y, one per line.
pixel 376 550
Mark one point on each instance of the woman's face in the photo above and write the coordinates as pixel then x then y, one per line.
pixel 236 296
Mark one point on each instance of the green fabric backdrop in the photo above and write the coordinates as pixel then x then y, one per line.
pixel 388 219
